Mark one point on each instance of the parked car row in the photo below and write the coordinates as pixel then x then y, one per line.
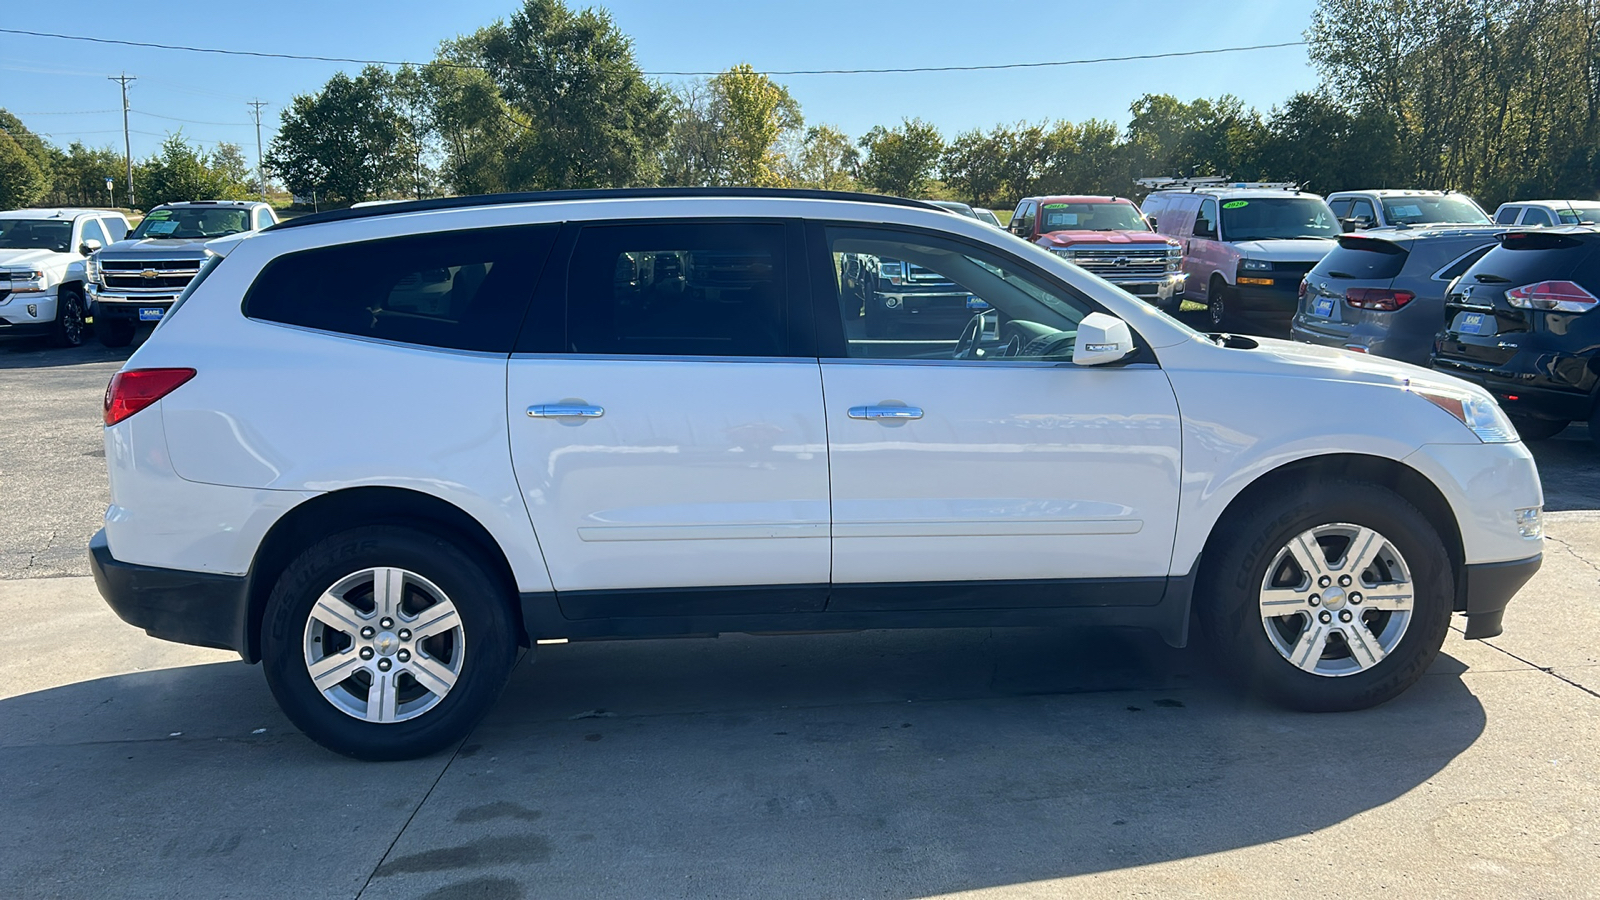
pixel 62 268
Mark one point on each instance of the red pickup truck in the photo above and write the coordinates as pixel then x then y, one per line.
pixel 1109 237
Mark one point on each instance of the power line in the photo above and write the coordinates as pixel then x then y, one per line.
pixel 456 65
pixel 140 112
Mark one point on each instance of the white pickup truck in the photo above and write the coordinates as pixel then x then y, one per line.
pixel 42 256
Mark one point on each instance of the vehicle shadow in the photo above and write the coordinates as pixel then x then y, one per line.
pixel 1569 467
pixel 897 764
pixel 39 354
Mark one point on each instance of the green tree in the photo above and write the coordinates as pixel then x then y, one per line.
pixel 346 142
pixel 752 113
pixel 902 160
pixel 81 173
pixel 181 171
pixel 25 171
pixel 825 159
pixel 583 113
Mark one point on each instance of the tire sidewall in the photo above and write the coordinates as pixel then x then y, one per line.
pixel 1216 301
pixel 1232 612
pixel 69 299
pixel 490 644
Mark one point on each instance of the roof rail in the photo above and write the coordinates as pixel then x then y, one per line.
pixel 479 200
pixel 1212 181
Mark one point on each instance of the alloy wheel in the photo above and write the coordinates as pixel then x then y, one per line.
pixel 384 645
pixel 1337 599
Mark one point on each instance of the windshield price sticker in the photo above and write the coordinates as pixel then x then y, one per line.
pixel 1236 204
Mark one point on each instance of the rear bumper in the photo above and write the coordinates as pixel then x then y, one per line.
pixel 198 608
pixel 1486 589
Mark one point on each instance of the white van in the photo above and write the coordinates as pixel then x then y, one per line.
pixel 1245 247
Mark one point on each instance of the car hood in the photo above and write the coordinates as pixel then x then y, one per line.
pixel 1292 358
pixel 1300 250
pixel 170 248
pixel 41 258
pixel 1065 238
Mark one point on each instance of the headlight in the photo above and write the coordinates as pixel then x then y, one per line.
pixel 1477 412
pixel 27 281
pixel 1255 265
pixel 1063 252
pixel 91 268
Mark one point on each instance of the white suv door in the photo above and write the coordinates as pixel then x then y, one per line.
pixel 984 454
pixel 662 434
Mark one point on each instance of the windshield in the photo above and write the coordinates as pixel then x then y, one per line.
pixel 1092 217
pixel 193 222
pixel 960 208
pixel 35 234
pixel 1580 213
pixel 1278 219
pixel 1449 209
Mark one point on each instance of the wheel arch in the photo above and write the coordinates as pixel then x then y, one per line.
pixel 330 513
pixel 1411 485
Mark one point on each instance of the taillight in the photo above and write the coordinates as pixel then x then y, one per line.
pixel 1381 299
pixel 1303 288
pixel 1561 296
pixel 135 389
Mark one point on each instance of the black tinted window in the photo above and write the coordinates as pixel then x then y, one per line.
pixel 1460 266
pixel 1363 258
pixel 1537 216
pixel 693 289
pixel 1507 216
pixel 466 290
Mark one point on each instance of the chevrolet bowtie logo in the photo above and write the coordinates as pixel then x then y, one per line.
pixel 149 273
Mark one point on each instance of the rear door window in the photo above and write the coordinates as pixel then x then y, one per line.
pixel 690 289
pixel 461 290
pixel 1363 259
pixel 1507 215
pixel 1341 207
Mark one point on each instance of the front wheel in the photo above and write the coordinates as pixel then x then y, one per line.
pixel 114 333
pixel 1216 303
pixel 1336 597
pixel 70 326
pixel 387 643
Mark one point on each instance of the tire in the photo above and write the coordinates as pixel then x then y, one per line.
pixel 1253 575
pixel 70 328
pixel 1216 301
pixel 322 613
pixel 114 333
pixel 1532 429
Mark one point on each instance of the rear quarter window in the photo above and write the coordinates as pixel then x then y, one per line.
pixel 460 290
pixel 1363 258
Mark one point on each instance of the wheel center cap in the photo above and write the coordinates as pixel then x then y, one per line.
pixel 1333 597
pixel 385 643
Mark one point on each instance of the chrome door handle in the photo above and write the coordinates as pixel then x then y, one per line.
pixel 565 410
pixel 885 412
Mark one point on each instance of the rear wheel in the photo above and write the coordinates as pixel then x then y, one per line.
pixel 1335 597
pixel 114 332
pixel 1531 429
pixel 387 643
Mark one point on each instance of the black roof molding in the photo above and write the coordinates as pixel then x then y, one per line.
pixel 485 200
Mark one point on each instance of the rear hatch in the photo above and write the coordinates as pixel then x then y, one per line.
pixel 1494 304
pixel 1362 269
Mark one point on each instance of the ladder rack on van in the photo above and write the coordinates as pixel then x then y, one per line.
pixel 1211 181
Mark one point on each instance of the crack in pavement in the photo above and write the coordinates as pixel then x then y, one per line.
pixel 1569 548
pixel 1548 670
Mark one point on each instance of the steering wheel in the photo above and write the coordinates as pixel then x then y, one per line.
pixel 971 337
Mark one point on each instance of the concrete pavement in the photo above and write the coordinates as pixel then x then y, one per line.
pixel 1004 763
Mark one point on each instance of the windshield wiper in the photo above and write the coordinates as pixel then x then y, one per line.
pixel 1487 278
pixel 1340 275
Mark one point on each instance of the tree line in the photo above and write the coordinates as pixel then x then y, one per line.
pixel 1498 98
pixel 34 172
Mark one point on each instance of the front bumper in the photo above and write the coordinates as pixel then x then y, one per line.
pixel 28 315
pixel 1164 291
pixel 1486 589
pixel 199 608
pixel 105 305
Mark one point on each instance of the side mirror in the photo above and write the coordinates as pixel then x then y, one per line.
pixel 1152 221
pixel 1102 339
pixel 88 246
pixel 1348 225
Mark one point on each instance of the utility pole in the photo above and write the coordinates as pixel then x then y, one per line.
pixel 260 171
pixel 127 142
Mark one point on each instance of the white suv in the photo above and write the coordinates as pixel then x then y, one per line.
pixel 379 449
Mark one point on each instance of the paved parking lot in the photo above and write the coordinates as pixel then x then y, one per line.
pixel 993 763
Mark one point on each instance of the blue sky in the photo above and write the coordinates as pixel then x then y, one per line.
pixel 60 88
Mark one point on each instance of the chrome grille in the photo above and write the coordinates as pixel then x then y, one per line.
pixel 1123 263
pixel 157 275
